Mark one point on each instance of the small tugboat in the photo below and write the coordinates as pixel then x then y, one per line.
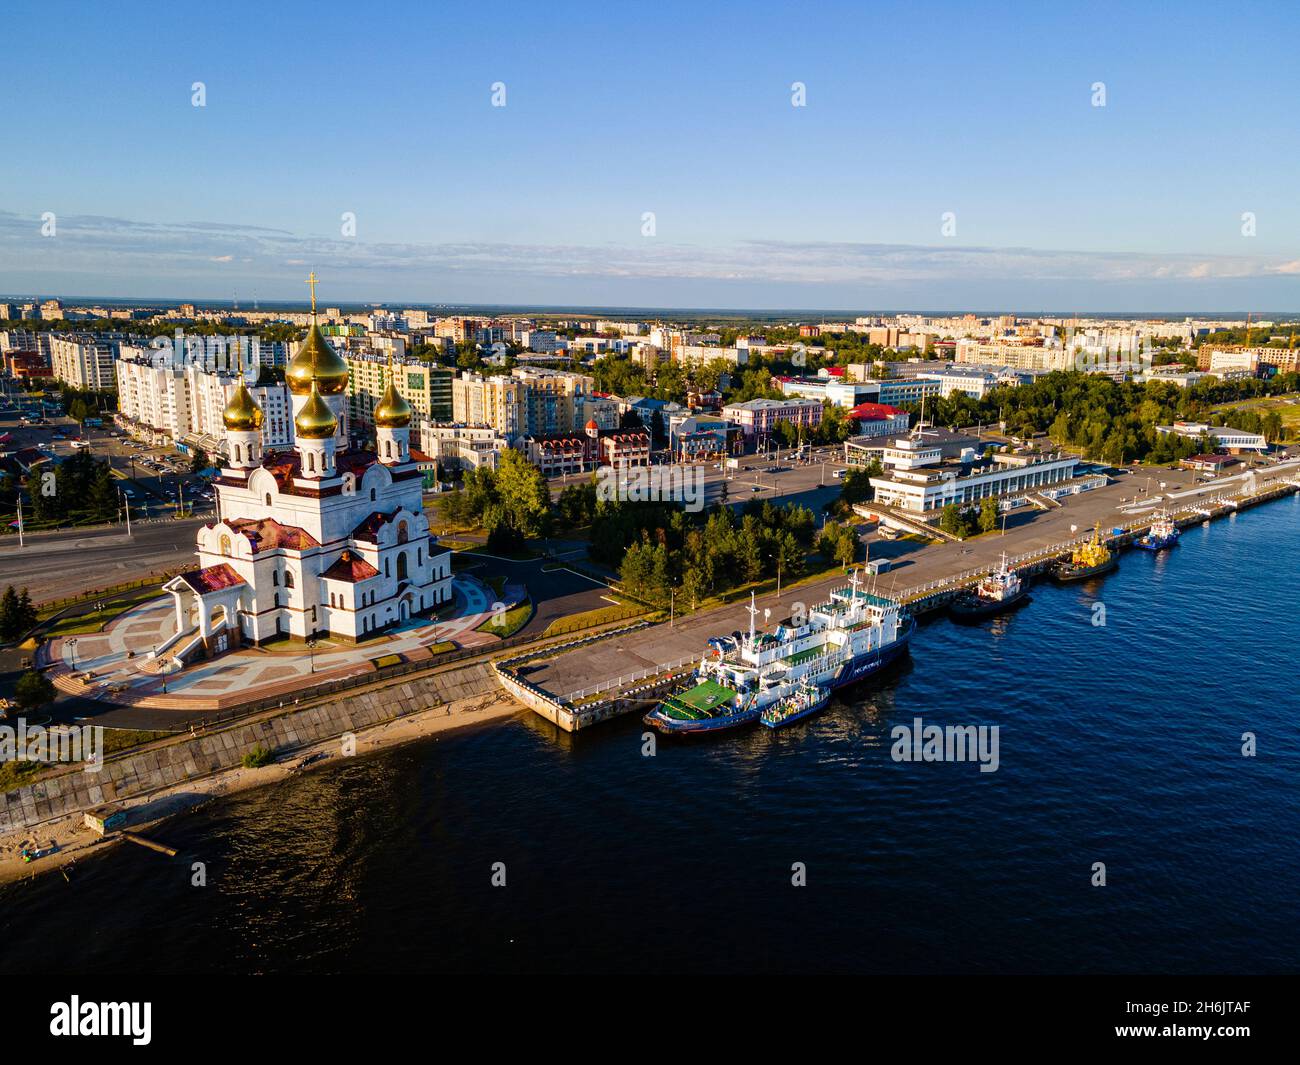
pixel 704 707
pixel 805 701
pixel 1001 590
pixel 1090 559
pixel 1163 533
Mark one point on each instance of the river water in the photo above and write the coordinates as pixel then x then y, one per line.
pixel 1119 744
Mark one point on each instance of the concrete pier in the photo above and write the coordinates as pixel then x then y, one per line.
pixel 581 686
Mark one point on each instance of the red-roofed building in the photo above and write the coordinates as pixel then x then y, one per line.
pixel 879 419
pixel 574 452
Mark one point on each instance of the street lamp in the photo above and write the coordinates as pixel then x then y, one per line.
pixel 72 646
pixel 311 653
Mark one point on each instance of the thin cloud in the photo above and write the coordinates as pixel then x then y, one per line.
pixel 118 250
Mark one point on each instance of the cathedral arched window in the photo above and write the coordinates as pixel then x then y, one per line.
pixel 401 566
pixel 386 574
pixel 401 532
pixel 268 499
pixel 288 578
pixel 225 545
pixel 372 495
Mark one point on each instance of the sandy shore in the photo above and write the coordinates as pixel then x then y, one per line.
pixel 74 840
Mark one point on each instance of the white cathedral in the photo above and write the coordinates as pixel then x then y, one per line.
pixel 316 541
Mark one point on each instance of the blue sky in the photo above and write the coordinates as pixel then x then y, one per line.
pixel 683 110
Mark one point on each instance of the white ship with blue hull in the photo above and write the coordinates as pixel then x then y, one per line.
pixel 850 636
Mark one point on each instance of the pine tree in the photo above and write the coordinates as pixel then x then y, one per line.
pixel 9 614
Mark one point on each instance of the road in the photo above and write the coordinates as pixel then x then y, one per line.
pixel 62 564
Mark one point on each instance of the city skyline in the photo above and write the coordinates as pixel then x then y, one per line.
pixel 521 170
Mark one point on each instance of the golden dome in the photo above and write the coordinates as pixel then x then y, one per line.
pixel 315 421
pixel 242 414
pixel 392 411
pixel 317 361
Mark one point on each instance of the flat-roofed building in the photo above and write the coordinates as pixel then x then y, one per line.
pixel 919 480
pixel 464 447
pixel 757 418
pixel 1224 436
pixel 84 362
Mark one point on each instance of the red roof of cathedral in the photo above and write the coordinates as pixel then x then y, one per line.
pixel 349 567
pixel 268 534
pixel 368 530
pixel 285 465
pixel 212 578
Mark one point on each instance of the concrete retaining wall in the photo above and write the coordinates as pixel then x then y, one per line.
pixel 137 773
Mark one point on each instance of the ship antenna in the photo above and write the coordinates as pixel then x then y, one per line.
pixel 753 610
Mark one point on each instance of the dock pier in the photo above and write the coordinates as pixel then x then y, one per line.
pixel 615 696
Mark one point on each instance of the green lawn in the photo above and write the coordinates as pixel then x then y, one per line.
pixel 591 618
pixel 510 622
pixel 96 620
pixel 17 774
pixel 1286 406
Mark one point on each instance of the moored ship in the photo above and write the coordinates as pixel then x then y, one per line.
pixel 1001 590
pixel 853 634
pixel 1163 533
pixel 1090 559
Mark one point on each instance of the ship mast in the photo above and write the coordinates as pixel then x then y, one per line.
pixel 753 611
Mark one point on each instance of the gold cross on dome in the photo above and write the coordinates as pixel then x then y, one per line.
pixel 313 281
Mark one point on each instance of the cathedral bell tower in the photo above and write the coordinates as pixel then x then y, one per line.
pixel 392 424
pixel 317 366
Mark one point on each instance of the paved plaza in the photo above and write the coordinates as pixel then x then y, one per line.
pixel 123 671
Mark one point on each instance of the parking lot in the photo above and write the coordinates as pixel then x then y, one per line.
pixel 154 480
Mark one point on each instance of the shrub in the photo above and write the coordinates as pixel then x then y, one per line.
pixel 259 756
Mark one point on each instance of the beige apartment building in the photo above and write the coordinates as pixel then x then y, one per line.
pixel 529 402
pixel 427 387
pixel 83 362
pixel 1221 358
pixel 1017 355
